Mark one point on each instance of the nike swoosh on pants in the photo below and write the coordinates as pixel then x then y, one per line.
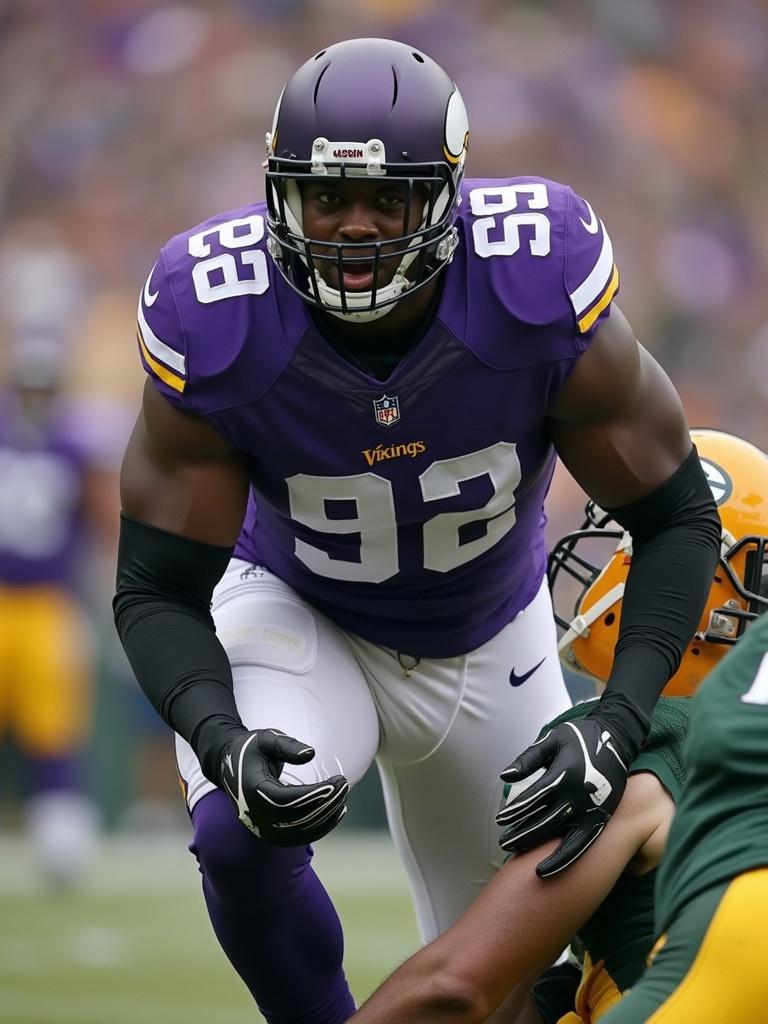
pixel 516 680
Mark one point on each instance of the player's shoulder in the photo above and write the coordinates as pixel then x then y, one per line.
pixel 542 249
pixel 206 310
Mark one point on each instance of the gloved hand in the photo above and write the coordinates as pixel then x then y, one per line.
pixel 585 774
pixel 278 812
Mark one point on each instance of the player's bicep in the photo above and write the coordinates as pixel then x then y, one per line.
pixel 618 423
pixel 180 475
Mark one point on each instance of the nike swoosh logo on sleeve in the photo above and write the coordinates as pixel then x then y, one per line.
pixel 592 224
pixel 149 297
pixel 516 680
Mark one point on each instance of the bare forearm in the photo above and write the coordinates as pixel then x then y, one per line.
pixel 420 993
pixel 516 927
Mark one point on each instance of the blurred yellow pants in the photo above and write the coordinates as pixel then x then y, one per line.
pixel 46 671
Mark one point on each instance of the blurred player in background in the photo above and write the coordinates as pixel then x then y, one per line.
pixel 358 389
pixel 51 495
pixel 521 922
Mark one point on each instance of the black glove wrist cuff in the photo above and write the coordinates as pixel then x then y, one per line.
pixel 209 740
pixel 625 720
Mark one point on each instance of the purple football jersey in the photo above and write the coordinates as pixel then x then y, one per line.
pixel 41 500
pixel 410 511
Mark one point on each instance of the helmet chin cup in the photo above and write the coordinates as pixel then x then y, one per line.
pixel 359 304
pixel 360 307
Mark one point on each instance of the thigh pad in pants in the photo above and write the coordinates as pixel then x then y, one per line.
pixel 293 670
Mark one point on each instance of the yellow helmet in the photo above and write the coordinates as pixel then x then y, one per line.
pixel 738 475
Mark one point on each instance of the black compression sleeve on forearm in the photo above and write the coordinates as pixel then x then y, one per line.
pixel 676 534
pixel 163 618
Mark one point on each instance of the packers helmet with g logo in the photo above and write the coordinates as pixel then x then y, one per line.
pixel 738 476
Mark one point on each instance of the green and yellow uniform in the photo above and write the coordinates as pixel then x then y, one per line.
pixel 708 966
pixel 619 936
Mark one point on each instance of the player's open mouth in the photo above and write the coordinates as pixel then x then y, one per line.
pixel 358 279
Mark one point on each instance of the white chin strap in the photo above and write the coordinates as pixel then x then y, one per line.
pixel 359 303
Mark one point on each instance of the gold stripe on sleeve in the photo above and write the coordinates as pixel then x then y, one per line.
pixel 589 318
pixel 165 375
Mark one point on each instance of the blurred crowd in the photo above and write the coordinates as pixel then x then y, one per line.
pixel 123 122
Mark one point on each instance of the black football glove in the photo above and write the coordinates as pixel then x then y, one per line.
pixel 281 814
pixel 585 776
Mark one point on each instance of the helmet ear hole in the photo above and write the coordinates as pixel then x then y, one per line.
pixel 610 618
pixel 696 651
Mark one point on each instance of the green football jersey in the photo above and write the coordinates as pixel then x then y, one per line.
pixel 621 931
pixel 720 827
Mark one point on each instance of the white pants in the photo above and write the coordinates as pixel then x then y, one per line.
pixel 441 731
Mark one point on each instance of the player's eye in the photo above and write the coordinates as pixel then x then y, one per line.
pixel 391 200
pixel 327 198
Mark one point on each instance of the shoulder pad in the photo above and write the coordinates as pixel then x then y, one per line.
pixel 197 316
pixel 547 256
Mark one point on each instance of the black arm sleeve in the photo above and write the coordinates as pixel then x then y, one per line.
pixel 676 534
pixel 163 618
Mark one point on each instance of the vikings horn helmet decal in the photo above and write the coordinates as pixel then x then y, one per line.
pixel 379 110
pixel 738 475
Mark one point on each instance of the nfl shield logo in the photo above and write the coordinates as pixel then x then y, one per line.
pixel 387 410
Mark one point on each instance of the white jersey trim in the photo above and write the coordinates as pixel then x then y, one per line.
pixel 583 297
pixel 158 348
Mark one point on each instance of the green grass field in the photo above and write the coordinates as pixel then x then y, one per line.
pixel 135 946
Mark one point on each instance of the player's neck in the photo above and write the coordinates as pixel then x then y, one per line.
pixel 400 328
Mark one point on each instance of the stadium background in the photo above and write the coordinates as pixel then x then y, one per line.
pixel 125 121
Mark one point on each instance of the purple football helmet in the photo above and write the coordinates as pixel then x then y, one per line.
pixel 373 109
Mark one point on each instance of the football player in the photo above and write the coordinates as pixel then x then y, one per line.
pixel 357 392
pixel 607 899
pixel 708 964
pixel 51 493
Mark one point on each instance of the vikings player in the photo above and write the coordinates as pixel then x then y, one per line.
pixel 357 392
pixel 50 491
